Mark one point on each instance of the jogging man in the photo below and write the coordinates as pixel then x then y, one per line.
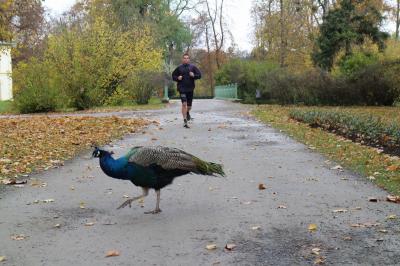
pixel 185 75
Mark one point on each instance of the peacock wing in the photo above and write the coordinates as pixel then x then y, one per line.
pixel 167 158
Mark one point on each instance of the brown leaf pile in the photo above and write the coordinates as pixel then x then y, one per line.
pixel 30 144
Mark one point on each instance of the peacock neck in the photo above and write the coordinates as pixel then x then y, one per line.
pixel 114 168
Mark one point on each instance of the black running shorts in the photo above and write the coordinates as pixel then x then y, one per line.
pixel 187 97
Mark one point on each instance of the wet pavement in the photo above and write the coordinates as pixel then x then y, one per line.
pixel 79 222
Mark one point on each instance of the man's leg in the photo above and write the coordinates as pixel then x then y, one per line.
pixel 189 98
pixel 184 109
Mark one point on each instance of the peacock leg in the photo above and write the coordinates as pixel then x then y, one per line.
pixel 129 201
pixel 157 209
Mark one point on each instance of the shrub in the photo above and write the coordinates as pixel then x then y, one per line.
pixel 367 129
pixel 119 97
pixel 247 74
pixel 34 91
pixel 356 62
pixel 142 85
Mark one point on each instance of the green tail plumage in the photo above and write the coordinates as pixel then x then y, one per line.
pixel 208 168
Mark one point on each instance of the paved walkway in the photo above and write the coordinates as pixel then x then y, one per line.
pixel 301 189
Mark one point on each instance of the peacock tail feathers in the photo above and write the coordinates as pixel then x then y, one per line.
pixel 208 168
pixel 172 158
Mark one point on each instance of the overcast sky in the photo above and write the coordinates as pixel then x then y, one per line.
pixel 238 18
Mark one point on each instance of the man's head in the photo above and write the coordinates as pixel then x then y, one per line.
pixel 185 58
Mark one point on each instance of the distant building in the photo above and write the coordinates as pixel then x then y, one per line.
pixel 5 71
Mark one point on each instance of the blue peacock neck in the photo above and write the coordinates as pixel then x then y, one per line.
pixel 114 168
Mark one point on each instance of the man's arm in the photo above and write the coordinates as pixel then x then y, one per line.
pixel 197 73
pixel 176 74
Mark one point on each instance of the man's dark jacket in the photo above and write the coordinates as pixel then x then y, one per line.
pixel 187 82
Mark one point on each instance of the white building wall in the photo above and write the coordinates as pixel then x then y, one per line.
pixel 5 73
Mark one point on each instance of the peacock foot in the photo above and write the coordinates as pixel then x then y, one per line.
pixel 126 203
pixel 153 211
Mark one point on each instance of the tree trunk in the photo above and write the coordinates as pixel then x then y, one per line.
pixel 283 41
pixel 211 77
pixel 397 19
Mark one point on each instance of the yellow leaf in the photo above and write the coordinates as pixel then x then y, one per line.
pixel 211 247
pixel 2 258
pixel 312 227
pixel 392 217
pixel 316 251
pixel 18 237
pixel 112 253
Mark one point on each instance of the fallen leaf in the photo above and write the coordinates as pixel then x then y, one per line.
pixel 18 237
pixel 383 231
pixel 315 251
pixel 82 205
pixel 340 211
pixel 393 168
pixel 2 258
pixel 89 224
pixel 337 167
pixel 247 202
pixel 125 196
pixel 371 177
pixel 12 181
pixel 255 227
pixel 211 247
pixel 261 186
pixel 370 224
pixel 347 238
pixel 57 225
pixel 230 247
pixel 282 207
pixel 392 217
pixel 391 198
pixel 112 253
pixel 319 261
pixel 48 200
pixel 312 227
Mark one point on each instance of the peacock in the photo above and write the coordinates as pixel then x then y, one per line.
pixel 153 167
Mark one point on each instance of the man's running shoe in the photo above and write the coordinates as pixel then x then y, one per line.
pixel 185 123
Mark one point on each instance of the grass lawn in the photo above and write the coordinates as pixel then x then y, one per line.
pixel 5 107
pixel 380 168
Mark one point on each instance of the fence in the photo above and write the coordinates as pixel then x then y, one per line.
pixel 229 91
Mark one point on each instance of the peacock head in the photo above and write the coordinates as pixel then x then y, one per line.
pixel 98 153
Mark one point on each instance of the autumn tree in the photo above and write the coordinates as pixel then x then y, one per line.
pixel 349 24
pixel 91 58
pixel 23 22
pixel 284 31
